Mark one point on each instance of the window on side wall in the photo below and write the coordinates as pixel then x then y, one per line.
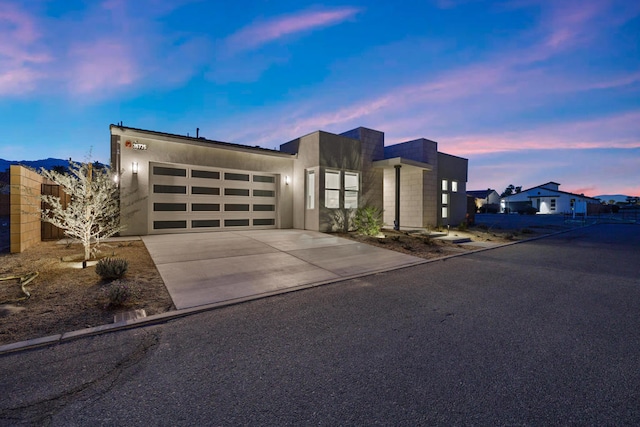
pixel 445 199
pixel 311 190
pixel 445 212
pixel 351 189
pixel 332 189
pixel 553 205
pixel 454 186
pixel 445 185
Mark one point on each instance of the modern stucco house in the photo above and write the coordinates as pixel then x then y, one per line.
pixel 547 199
pixel 173 183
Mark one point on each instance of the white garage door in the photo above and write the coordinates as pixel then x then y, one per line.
pixel 193 198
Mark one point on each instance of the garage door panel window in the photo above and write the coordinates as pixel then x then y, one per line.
pixel 160 170
pixel 212 191
pixel 264 193
pixel 264 208
pixel 170 207
pixel 164 225
pixel 202 223
pixel 205 174
pixel 236 222
pixel 236 176
pixel 264 221
pixel 169 189
pixel 205 207
pixel 236 192
pixel 263 178
pixel 235 207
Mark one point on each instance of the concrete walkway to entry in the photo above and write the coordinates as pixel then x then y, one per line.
pixel 207 268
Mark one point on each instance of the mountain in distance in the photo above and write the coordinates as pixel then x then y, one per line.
pixel 615 197
pixel 49 163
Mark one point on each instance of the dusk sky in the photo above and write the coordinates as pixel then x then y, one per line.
pixel 530 91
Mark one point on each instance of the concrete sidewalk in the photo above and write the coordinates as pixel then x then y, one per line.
pixel 207 268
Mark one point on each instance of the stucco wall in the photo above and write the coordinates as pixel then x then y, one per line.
pixel 308 158
pixel 411 196
pixel 134 188
pixel 372 149
pixel 25 208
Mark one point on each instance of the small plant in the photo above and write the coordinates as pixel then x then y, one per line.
pixel 368 221
pixel 462 226
pixel 119 292
pixel 112 268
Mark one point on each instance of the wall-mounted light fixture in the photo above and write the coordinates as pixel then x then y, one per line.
pixel 134 167
pixel 286 179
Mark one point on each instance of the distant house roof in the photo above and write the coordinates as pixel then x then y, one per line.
pixel 550 190
pixel 480 194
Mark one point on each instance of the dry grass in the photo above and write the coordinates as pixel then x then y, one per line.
pixel 65 299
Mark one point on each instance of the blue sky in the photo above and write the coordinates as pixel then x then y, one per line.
pixel 529 91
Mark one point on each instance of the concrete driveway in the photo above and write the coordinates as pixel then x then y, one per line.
pixel 208 268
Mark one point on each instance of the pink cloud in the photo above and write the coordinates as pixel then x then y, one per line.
pixel 262 33
pixel 100 66
pixel 19 53
pixel 618 131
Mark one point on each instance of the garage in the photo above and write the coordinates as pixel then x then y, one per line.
pixel 187 198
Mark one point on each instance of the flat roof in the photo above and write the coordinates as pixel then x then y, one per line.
pixel 199 140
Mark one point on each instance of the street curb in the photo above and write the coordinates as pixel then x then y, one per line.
pixel 177 314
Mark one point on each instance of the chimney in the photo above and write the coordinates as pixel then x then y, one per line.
pixel 197 132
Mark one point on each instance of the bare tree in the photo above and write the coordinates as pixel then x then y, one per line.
pixel 93 213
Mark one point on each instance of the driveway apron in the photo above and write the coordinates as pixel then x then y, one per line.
pixel 208 268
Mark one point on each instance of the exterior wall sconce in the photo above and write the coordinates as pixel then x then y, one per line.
pixel 134 167
pixel 286 179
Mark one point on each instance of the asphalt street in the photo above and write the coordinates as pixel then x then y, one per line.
pixel 545 332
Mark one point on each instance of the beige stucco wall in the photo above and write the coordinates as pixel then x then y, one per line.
pixel 134 188
pixel 411 196
pixel 307 158
pixel 25 208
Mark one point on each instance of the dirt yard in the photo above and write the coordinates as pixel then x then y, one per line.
pixel 65 299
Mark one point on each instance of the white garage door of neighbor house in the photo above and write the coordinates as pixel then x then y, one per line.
pixel 194 198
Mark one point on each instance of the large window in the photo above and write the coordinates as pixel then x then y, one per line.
pixel 332 189
pixel 351 189
pixel 311 190
pixel 454 186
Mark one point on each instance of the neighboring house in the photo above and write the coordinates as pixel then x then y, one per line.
pixel 172 183
pixel 487 198
pixel 547 199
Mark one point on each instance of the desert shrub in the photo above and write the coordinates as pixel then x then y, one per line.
pixel 482 227
pixel 462 226
pixel 112 268
pixel 526 231
pixel 368 221
pixel 119 292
